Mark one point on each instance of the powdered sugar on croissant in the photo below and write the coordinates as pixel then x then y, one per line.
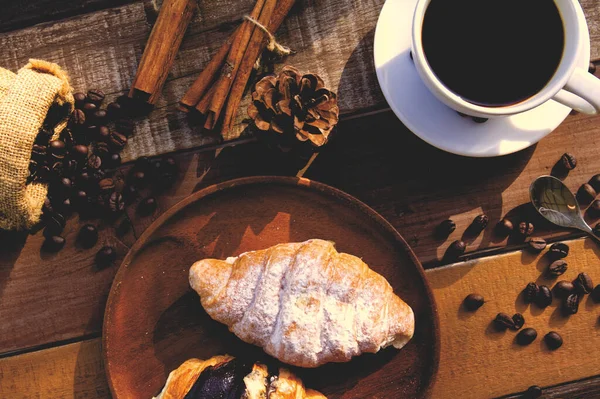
pixel 304 303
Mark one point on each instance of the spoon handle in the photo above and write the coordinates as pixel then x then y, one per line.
pixel 589 230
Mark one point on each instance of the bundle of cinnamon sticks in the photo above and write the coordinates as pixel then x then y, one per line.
pixel 218 91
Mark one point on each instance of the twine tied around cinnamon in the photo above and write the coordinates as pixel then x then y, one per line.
pixel 273 46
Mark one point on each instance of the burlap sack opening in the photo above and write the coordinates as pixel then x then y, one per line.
pixel 25 98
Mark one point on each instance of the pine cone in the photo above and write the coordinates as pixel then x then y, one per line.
pixel 296 104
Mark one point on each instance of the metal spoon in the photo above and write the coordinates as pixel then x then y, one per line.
pixel 554 201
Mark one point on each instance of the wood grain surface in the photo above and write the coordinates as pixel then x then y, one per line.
pixel 473 352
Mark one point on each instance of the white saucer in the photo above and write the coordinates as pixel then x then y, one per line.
pixel 432 120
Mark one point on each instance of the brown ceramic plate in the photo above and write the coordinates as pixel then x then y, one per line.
pixel 154 321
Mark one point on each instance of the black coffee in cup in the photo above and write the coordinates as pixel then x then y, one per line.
pixel 493 52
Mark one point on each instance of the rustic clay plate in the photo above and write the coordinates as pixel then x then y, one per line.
pixel 154 321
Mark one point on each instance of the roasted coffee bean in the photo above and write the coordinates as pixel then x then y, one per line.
pixel 595 294
pixel 88 236
pixel 116 202
pixel 480 222
pixel 518 321
pixel 563 289
pixel 65 185
pixel 503 322
pixel 52 229
pixel 80 151
pixel 65 206
pixel 130 193
pixel 123 228
pixel 526 336
pixel 113 160
pixel 43 173
pixel 80 198
pixel 124 126
pixel 533 392
pixel 544 297
pixel 163 181
pixel 95 96
pixel 583 284
pixel 553 340
pixel 456 249
pixel 99 117
pixel 138 179
pixel 89 109
pixel 57 147
pixel 571 304
pixel 594 208
pixel 77 119
pixel 69 139
pixel 147 206
pixel 53 244
pixel 445 228
pixel 473 302
pixel 101 149
pixel 58 169
pixel 569 161
pixel 557 268
pixel 558 250
pixel 106 185
pixel 84 179
pixel 47 207
pixel 586 194
pixel 526 229
pixel 117 141
pixel 143 164
pixel 170 165
pixel 94 162
pixel 536 244
pixel 114 110
pixel 103 133
pixel 530 292
pixel 106 256
pixel 595 182
pixel 39 152
pixel 155 169
pixel 79 100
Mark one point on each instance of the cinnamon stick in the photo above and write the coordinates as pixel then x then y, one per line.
pixel 162 46
pixel 195 93
pixel 257 44
pixel 204 102
pixel 234 58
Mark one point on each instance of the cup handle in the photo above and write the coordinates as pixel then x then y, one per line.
pixel 581 93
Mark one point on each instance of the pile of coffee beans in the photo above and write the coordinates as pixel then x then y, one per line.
pixel 81 169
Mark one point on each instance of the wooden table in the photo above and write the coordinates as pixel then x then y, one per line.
pixel 51 306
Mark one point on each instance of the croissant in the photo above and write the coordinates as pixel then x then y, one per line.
pixel 225 377
pixel 304 303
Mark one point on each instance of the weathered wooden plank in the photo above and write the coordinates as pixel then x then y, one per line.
pixel 69 371
pixel 101 49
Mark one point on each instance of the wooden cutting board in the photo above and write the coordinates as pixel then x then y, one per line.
pixel 479 362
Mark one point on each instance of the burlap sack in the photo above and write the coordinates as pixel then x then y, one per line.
pixel 25 98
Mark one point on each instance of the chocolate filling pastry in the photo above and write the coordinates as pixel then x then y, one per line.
pixel 223 381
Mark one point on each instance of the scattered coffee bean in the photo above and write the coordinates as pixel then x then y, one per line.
pixel 80 199
pixel 130 193
pixel 124 126
pixel 52 229
pixel 583 284
pixel 114 110
pixel 557 268
pixel 103 133
pixel 480 222
pixel 53 244
pixel 558 250
pixel 89 109
pixel 113 160
pixel 594 208
pixel 80 151
pixel 504 227
pixel 79 100
pixel 518 321
pixel 569 161
pixel 147 206
pixel 57 147
pixel 101 149
pixel 544 297
pixel 143 164
pixel 597 229
pixel 116 202
pixel 536 244
pixel 553 340
pixel 586 194
pixel 94 162
pixel 595 294
pixel 563 289
pixel 88 236
pixel 170 164
pixel 106 256
pixel 595 182
pixel 106 185
pixel 77 119
pixel 473 302
pixel 138 179
pixel 503 322
pixel 533 392
pixel 571 304
pixel 95 96
pixel 530 292
pixel 99 117
pixel 526 336
pixel 117 141
pixel 65 206
pixel 456 249
pixel 526 229
pixel 446 228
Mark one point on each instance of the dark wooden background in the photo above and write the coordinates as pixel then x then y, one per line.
pixel 51 305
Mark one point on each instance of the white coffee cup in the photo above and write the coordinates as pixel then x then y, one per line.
pixel 570 85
